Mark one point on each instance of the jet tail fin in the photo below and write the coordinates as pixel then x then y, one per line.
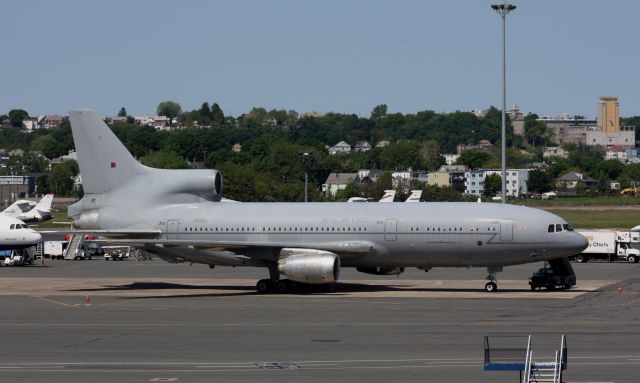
pixel 44 206
pixel 415 196
pixel 103 160
pixel 388 196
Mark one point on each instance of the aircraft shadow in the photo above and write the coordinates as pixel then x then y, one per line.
pixel 340 288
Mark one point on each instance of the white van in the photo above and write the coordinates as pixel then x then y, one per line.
pixel 549 195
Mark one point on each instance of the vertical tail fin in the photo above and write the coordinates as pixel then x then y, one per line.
pixel 104 162
pixel 388 196
pixel 44 205
pixel 415 196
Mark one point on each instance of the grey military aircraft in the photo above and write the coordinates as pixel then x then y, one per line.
pixel 179 216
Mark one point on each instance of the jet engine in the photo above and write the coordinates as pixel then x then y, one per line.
pixel 381 270
pixel 311 266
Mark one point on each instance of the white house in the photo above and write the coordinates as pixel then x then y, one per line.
pixel 404 178
pixel 362 146
pixel 450 159
pixel 516 183
pixel 340 148
pixel 336 182
pixel 554 151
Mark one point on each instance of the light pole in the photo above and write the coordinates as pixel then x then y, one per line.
pixel 307 159
pixel 503 10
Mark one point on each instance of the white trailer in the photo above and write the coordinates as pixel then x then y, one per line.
pixel 55 249
pixel 604 244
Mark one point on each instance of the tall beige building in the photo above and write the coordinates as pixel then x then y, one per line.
pixel 609 115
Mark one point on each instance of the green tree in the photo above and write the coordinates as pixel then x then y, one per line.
pixel 351 190
pixel 217 116
pixel 170 109
pixel 17 116
pixel 630 175
pixel 204 114
pixel 122 112
pixel 378 112
pixel 402 155
pixel 60 181
pixel 165 159
pixel 474 159
pixel 492 184
pixel 608 169
pixel 539 181
pixel 536 132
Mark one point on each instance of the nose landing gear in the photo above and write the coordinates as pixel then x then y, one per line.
pixel 492 285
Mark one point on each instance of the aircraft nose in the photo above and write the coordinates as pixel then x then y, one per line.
pixel 34 237
pixel 578 242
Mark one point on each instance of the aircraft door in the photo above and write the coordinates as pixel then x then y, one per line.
pixel 172 229
pixel 506 230
pixel 391 229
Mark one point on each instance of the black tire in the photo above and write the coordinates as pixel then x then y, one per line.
pixel 264 286
pixel 567 286
pixel 582 258
pixel 632 259
pixel 283 286
pixel 491 287
pixel 533 288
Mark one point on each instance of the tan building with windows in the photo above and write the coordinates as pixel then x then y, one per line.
pixel 609 115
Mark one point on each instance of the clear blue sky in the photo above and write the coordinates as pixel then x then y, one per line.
pixel 343 55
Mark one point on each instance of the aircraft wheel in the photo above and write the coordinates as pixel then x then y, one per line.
pixel 264 286
pixel 284 286
pixel 582 258
pixel 491 287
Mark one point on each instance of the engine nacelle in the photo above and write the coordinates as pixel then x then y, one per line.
pixel 381 270
pixel 311 266
pixel 205 183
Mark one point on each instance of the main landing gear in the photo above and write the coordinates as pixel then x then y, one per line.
pixel 281 286
pixel 492 285
pixel 274 284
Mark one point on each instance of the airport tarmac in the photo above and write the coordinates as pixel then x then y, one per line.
pixel 79 321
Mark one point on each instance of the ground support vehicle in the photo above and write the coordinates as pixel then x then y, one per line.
pixel 609 245
pixel 552 278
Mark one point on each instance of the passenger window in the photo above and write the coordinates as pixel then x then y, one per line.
pixel 551 229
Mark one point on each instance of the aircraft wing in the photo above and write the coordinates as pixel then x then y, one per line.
pixel 353 248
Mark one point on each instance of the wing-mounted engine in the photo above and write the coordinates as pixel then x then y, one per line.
pixel 309 265
pixel 381 270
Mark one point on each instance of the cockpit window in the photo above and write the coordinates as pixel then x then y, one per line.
pixel 558 228
pixel 13 226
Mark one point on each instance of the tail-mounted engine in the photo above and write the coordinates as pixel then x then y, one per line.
pixel 205 183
